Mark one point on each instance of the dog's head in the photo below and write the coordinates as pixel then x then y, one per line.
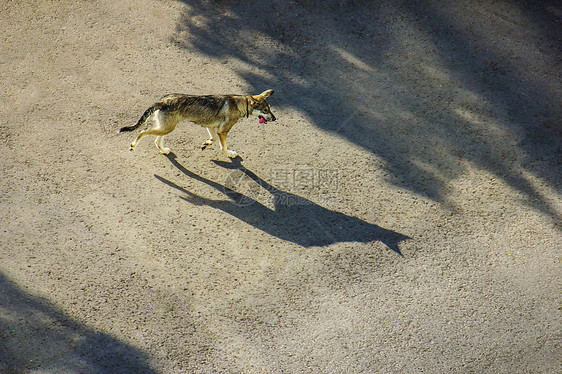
pixel 260 107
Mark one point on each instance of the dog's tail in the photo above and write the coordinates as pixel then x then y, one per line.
pixel 144 117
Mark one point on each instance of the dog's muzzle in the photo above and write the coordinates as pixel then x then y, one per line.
pixel 263 120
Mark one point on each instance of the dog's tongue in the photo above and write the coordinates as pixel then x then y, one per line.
pixel 262 120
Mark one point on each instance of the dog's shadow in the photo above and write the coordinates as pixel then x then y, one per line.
pixel 294 218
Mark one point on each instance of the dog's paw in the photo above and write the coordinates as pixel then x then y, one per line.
pixel 206 144
pixel 231 154
pixel 165 151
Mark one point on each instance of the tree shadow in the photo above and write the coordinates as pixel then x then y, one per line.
pixel 294 218
pixel 36 336
pixel 388 76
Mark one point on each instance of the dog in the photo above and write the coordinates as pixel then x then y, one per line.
pixel 218 113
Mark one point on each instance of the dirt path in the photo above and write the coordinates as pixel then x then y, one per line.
pixel 402 215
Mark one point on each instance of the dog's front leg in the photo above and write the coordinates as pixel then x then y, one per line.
pixel 228 152
pixel 212 137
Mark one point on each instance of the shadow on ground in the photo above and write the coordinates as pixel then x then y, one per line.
pixel 34 335
pixel 427 87
pixel 294 218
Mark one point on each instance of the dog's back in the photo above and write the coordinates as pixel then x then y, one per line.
pixel 202 110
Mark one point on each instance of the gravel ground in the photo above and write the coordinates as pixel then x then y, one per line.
pixel 403 214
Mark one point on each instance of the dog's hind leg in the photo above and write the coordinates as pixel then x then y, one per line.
pixel 212 137
pixel 136 141
pixel 158 132
pixel 159 141
pixel 162 127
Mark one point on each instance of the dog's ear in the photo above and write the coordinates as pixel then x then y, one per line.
pixel 264 95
